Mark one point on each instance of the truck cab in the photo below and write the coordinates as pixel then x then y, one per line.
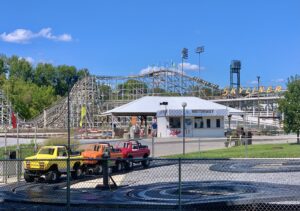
pixel 50 163
pixel 132 150
pixel 94 154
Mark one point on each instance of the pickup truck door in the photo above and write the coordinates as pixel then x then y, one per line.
pixel 136 151
pixel 62 154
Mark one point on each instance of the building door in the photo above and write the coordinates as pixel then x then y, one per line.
pixel 188 127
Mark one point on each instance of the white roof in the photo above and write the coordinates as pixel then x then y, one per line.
pixel 151 105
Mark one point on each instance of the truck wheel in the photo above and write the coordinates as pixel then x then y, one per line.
pixel 98 169
pixel 77 173
pixel 129 164
pixel 146 162
pixel 52 176
pixel 119 166
pixel 28 178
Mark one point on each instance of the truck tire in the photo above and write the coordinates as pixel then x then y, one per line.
pixel 146 162
pixel 98 169
pixel 119 166
pixel 28 178
pixel 77 173
pixel 129 164
pixel 52 176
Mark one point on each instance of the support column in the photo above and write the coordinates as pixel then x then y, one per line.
pixel 45 118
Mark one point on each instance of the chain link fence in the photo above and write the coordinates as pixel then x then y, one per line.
pixel 166 184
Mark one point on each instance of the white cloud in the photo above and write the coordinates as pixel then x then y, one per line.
pixel 151 69
pixel 176 68
pixel 46 33
pixel 45 61
pixel 25 35
pixel 279 80
pixel 189 66
pixel 17 36
pixel 28 59
pixel 253 82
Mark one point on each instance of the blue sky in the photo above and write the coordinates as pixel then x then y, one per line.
pixel 119 37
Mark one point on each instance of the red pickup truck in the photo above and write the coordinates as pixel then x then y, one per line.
pixel 133 149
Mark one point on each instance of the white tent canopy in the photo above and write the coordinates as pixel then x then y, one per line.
pixel 151 105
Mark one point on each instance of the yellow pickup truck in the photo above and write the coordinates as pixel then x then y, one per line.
pixel 51 162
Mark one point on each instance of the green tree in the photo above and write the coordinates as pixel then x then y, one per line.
pixel 27 98
pixel 64 72
pixel 105 91
pixel 82 73
pixel 3 64
pixel 131 88
pixel 290 106
pixel 20 68
pixel 45 75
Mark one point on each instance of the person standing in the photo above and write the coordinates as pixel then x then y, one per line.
pixel 154 129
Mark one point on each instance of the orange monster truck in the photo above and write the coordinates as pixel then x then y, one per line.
pixel 96 151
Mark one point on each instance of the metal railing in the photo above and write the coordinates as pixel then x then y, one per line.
pixel 166 184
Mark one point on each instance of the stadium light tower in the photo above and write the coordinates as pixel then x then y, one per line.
pixel 199 50
pixel 184 55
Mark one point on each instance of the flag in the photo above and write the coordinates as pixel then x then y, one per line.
pixel 83 114
pixel 13 120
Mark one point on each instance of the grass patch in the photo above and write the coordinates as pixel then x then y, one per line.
pixel 59 141
pixel 254 151
pixel 25 150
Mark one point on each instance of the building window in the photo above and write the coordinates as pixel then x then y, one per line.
pixel 199 122
pixel 218 123
pixel 175 122
pixel 208 123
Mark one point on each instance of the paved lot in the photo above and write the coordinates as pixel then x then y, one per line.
pixel 159 185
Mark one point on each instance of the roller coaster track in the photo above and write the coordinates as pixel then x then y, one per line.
pixel 102 93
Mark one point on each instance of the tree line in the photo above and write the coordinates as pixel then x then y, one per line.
pixel 32 88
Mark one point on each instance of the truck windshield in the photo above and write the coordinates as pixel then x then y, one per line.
pixel 47 151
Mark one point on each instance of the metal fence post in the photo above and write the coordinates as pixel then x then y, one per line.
pixel 153 147
pixel 179 184
pixel 68 184
pixel 5 158
pixel 18 152
pixel 105 173
pixel 35 144
pixel 246 147
pixel 199 145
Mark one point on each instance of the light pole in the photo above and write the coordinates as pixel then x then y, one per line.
pixel 69 151
pixel 199 50
pixel 184 55
pixel 183 126
pixel 258 106
pixel 70 81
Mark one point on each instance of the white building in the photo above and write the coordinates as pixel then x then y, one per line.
pixel 203 118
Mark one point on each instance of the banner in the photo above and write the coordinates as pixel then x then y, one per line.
pixel 13 120
pixel 248 91
pixel 83 114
